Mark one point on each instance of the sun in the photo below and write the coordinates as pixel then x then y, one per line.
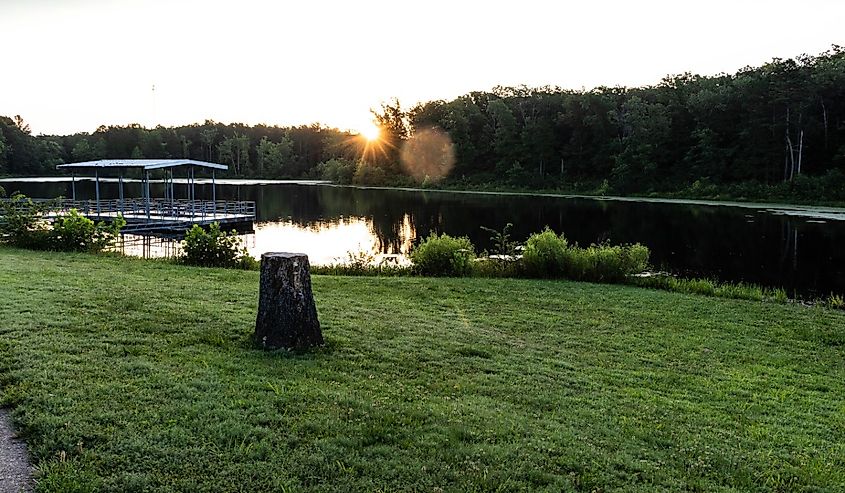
pixel 370 132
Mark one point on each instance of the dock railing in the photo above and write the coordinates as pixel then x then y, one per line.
pixel 158 210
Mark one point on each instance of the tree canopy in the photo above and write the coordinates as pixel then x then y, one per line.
pixel 778 125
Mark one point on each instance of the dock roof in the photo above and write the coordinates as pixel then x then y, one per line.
pixel 145 164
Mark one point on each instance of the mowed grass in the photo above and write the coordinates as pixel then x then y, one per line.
pixel 131 375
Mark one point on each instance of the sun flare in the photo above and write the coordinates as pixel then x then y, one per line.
pixel 370 132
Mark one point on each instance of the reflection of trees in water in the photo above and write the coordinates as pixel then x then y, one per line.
pixel 722 242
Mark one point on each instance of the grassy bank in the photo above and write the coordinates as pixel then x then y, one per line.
pixel 130 375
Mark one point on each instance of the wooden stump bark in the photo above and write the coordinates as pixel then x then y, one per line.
pixel 287 316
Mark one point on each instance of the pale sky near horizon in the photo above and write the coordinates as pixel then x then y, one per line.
pixel 71 65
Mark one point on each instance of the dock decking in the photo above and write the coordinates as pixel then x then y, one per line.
pixel 159 215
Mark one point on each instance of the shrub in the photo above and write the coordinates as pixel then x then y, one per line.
pixel 607 263
pixel 73 232
pixel 25 223
pixel 637 257
pixel 443 255
pixel 215 248
pixel 545 254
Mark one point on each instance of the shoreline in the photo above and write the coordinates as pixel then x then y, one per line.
pixel 822 212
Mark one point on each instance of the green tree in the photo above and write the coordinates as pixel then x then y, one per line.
pixel 208 137
pixel 235 151
pixel 395 128
pixel 506 143
pixel 137 153
pixel 85 151
pixel 272 159
pixel 152 144
pixel 4 149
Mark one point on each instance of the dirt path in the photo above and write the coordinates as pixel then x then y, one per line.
pixel 15 470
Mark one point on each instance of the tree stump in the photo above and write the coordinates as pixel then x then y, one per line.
pixel 287 316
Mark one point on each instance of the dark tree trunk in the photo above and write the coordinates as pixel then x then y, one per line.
pixel 287 316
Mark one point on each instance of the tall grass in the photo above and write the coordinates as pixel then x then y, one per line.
pixel 709 287
pixel 548 255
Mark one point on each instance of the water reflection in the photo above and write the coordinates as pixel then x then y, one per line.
pixel 784 248
pixel 330 241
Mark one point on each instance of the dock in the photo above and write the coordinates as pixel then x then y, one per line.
pixel 148 215
pixel 163 215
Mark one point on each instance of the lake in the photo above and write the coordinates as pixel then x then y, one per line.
pixel 798 248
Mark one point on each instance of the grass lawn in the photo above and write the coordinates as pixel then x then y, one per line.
pixel 131 375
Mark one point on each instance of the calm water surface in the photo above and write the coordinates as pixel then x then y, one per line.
pixel 799 250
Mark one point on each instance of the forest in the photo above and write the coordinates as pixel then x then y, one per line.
pixel 776 131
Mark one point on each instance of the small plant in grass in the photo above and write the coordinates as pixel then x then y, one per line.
pixel 707 287
pixel 215 248
pixel 776 295
pixel 835 301
pixel 361 263
pixel 502 243
pixel 739 291
pixel 504 258
pixel 443 255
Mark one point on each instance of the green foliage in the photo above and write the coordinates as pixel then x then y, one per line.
pixel 235 152
pixel 4 150
pixel 68 476
pixel 443 255
pixel 73 232
pixel 337 170
pixel 503 260
pixel 22 219
pixel 708 287
pixel 26 223
pixel 776 295
pixel 548 255
pixel 835 301
pixel 370 174
pixel 502 242
pixel 497 267
pixel 545 254
pixel 735 136
pixel 607 263
pixel 215 248
pixel 274 158
pixel 85 151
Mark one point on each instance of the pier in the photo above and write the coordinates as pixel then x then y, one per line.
pixel 148 215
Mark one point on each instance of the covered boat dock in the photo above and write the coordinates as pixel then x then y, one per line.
pixel 173 211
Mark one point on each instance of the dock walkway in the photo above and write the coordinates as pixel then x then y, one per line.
pixel 158 215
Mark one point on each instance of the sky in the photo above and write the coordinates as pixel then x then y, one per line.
pixel 71 65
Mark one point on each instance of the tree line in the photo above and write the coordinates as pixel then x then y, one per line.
pixel 250 151
pixel 774 129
